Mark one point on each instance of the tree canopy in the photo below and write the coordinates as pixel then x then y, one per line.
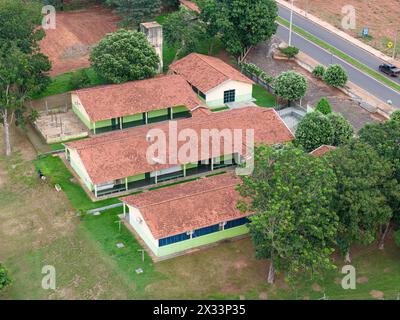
pixel 335 76
pixel 290 194
pixel 240 23
pixel 360 201
pixel 290 85
pixel 124 55
pixel 323 106
pixel 135 11
pixel 4 277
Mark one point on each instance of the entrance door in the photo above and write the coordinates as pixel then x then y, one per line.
pixel 115 123
pixel 229 96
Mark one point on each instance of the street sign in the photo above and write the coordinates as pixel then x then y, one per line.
pixel 390 45
pixel 365 32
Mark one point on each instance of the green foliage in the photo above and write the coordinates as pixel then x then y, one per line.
pixel 181 29
pixel 323 106
pixel 396 237
pixel 336 76
pixel 79 80
pixel 170 4
pixel 5 280
pixel 360 201
pixel 251 68
pixel 317 129
pixel 384 138
pixel 342 129
pixel 313 131
pixel 240 23
pixel 134 12
pixel 124 55
pixel 290 194
pixel 395 116
pixel 319 71
pixel 290 51
pixel 290 85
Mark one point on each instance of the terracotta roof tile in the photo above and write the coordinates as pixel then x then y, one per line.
pixel 206 72
pixel 320 151
pixel 121 154
pixel 187 206
pixel 118 100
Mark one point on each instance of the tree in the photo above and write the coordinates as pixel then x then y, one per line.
pixel 240 23
pixel 360 201
pixel 290 193
pixel 290 85
pixel 23 69
pixel 135 11
pixel 385 139
pixel 342 129
pixel 336 76
pixel 183 30
pixel 124 55
pixel 395 116
pixel 79 80
pixel 4 277
pixel 170 4
pixel 323 106
pixel 319 71
pixel 313 131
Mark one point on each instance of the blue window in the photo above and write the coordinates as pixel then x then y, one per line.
pixel 236 223
pixel 206 230
pixel 173 239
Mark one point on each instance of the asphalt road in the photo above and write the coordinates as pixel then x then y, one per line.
pixel 378 89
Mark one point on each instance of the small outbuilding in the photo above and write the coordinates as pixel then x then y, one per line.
pixel 215 81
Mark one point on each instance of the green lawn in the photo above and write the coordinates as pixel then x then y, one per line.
pixel 219 109
pixel 263 97
pixel 61 83
pixel 60 145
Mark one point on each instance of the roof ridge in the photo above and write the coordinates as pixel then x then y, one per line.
pixel 127 136
pixel 189 195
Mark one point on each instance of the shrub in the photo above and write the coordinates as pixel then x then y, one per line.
pixel 336 76
pixel 252 69
pixel 79 80
pixel 290 51
pixel 266 77
pixel 342 129
pixel 4 278
pixel 323 106
pixel 395 116
pixel 319 71
pixel 124 55
pixel 290 85
pixel 313 131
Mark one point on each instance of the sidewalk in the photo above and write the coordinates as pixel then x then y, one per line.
pixel 338 32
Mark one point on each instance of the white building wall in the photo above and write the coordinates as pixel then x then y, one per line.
pixel 79 167
pixel 80 110
pixel 137 222
pixel 243 92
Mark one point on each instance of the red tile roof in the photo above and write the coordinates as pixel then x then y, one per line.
pixel 121 154
pixel 187 206
pixel 205 72
pixel 118 100
pixel 190 5
pixel 320 151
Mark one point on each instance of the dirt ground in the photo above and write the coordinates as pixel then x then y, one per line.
pixel 68 45
pixel 316 88
pixel 380 16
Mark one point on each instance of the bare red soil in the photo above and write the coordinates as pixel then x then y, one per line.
pixel 68 45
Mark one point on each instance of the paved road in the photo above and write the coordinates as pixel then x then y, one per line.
pixel 361 79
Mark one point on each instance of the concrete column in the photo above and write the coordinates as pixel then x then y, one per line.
pixel 120 123
pixel 172 113
pixel 126 183
pixel 212 164
pixel 95 191
pixel 146 120
pixel 94 127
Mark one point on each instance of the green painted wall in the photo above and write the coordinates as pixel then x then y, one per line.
pixel 136 178
pixel 84 119
pixel 81 174
pixel 179 109
pixel 157 113
pixel 134 117
pixel 191 165
pixel 200 241
pixel 103 123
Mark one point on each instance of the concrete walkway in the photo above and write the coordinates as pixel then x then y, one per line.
pixel 241 104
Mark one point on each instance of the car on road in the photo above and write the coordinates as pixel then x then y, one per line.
pixel 389 69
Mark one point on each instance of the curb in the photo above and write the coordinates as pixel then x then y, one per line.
pixel 339 32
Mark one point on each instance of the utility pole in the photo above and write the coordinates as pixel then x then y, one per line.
pixel 395 44
pixel 291 23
